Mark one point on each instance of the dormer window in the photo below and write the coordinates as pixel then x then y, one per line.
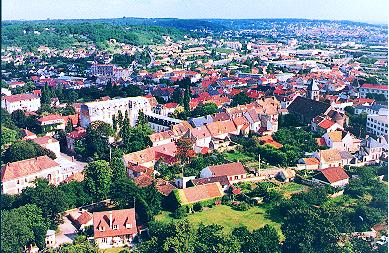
pixel 115 227
pixel 101 228
pixel 128 225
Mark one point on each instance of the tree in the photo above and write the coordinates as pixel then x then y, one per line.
pixel 68 110
pixel 265 239
pixel 241 99
pixel 19 118
pixel 204 109
pixel 8 135
pixel 20 150
pixel 69 126
pixel 177 96
pixel 183 239
pixel 184 149
pixel 46 95
pixel 48 198
pixel 98 175
pixel 310 230
pixel 21 227
pixel 119 171
pixel 97 139
pixel 212 239
pixel 6 120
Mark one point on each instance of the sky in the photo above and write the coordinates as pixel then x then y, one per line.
pixel 371 11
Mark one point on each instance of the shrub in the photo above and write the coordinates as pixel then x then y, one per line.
pixel 180 213
pixel 242 206
pixel 197 207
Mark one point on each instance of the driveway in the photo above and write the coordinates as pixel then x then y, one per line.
pixel 67 232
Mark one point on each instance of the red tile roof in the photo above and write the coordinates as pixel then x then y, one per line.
pixel 19 97
pixel 325 124
pixel 374 86
pixel 84 218
pixel 200 193
pixel 334 174
pixel 44 140
pixel 228 169
pixel 11 171
pixel 119 218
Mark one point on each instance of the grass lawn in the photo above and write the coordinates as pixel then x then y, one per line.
pixel 291 188
pixel 237 156
pixel 113 250
pixel 253 218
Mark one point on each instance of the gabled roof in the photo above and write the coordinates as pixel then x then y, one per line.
pixel 19 97
pixel 221 127
pixel 11 171
pixel 119 218
pixel 335 136
pixel 307 108
pixel 326 124
pixel 330 155
pixel 228 169
pixel 334 174
pixel 200 132
pixel 223 180
pixel 200 193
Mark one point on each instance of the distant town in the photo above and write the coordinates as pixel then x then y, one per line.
pixel 195 136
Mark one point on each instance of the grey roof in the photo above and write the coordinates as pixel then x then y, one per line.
pixel 200 121
pixel 346 155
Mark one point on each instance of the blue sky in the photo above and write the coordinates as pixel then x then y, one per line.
pixel 372 11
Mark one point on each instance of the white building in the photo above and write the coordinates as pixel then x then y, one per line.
pixel 105 110
pixel 25 102
pixel 377 125
pixel 18 175
pixel 373 89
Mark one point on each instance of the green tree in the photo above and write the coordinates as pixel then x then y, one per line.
pixel 210 238
pixel 177 96
pixel 20 150
pixel 241 99
pixel 21 227
pixel 46 95
pixel 265 239
pixel 19 118
pixel 119 171
pixel 97 139
pixel 8 135
pixel 69 126
pixel 98 176
pixel 183 239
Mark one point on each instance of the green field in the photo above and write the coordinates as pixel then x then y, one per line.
pixel 253 218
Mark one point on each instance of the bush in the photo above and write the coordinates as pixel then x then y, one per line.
pixel 180 213
pixel 197 207
pixel 242 206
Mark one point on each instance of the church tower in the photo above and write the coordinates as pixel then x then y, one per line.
pixel 313 91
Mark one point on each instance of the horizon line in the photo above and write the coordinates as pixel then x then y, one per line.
pixel 105 18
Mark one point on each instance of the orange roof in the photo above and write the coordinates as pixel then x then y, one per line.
pixel 19 97
pixel 326 123
pixel 19 169
pixel 228 169
pixel 334 174
pixel 335 136
pixel 311 161
pixel 221 127
pixel 119 218
pixel 200 193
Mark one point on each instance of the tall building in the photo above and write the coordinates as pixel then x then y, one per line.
pixel 313 90
pixel 105 110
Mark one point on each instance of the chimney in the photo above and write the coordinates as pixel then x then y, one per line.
pixel 110 219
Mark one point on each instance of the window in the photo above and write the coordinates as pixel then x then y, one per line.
pixel 128 225
pixel 236 177
pixel 115 227
pixel 104 240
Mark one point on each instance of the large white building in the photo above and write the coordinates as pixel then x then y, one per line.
pixel 377 125
pixel 373 89
pixel 25 102
pixel 105 110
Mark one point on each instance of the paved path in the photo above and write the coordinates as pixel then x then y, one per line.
pixel 67 232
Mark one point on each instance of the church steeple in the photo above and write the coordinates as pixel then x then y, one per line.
pixel 313 90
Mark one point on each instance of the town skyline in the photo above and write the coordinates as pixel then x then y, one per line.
pixel 357 11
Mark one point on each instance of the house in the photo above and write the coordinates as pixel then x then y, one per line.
pixel 200 121
pixel 49 143
pixel 74 136
pixel 333 158
pixel 222 129
pixel 366 89
pixel 50 239
pixel 199 193
pixel 377 125
pixel 222 180
pixel 164 187
pixel 309 163
pixel 162 138
pixel 323 124
pixel 25 102
pixel 51 123
pixel 253 119
pixel 371 150
pixel 242 125
pixel 18 175
pixel 115 228
pixel 134 171
pixel 342 140
pixel 286 175
pixel 334 176
pixel 201 138
pixel 81 219
pixel 149 156
pixel 307 109
pixel 27 135
pixel 234 171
